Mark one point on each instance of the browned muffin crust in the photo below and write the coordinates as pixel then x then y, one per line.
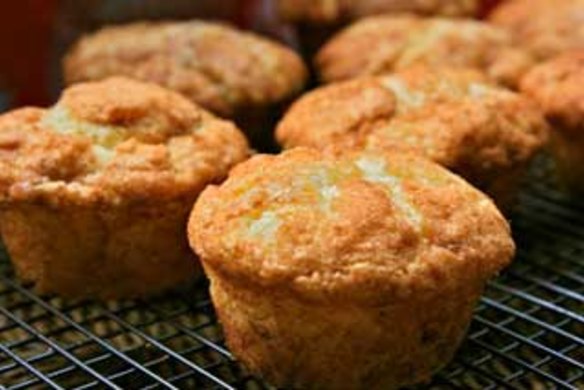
pixel 336 228
pixel 327 11
pixel 558 86
pixel 358 271
pixel 217 66
pixel 384 44
pixel 457 118
pixel 115 141
pixel 95 191
pixel 544 27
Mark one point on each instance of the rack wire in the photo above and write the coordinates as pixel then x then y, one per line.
pixel 528 331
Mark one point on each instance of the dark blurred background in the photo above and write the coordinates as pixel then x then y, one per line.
pixel 35 33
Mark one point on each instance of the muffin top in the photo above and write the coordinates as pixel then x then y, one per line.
pixel 365 227
pixel 558 86
pixel 457 118
pixel 544 27
pixel 219 67
pixel 327 11
pixel 384 44
pixel 114 141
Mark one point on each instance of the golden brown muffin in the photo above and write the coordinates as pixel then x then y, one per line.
pixel 558 86
pixel 385 44
pixel 327 11
pixel 457 118
pixel 95 191
pixel 233 73
pixel 544 27
pixel 353 272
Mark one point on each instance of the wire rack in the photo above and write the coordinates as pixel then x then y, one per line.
pixel 528 331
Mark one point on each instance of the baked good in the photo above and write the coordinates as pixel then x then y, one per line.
pixel 317 20
pixel 385 44
pixel 95 191
pixel 330 11
pixel 232 73
pixel 352 272
pixel 558 86
pixel 457 118
pixel 544 27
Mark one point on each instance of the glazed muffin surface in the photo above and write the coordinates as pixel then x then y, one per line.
pixel 95 191
pixel 546 28
pixel 352 272
pixel 326 11
pixel 219 67
pixel 457 118
pixel 384 44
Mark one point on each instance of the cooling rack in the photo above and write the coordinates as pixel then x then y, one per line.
pixel 527 333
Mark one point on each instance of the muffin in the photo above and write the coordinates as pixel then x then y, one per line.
pixel 385 44
pixel 353 272
pixel 232 73
pixel 327 11
pixel 455 117
pixel 545 28
pixel 558 86
pixel 95 192
pixel 317 20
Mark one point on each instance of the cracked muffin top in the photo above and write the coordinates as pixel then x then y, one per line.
pixel 385 44
pixel 544 27
pixel 329 11
pixel 114 141
pixel 365 227
pixel 457 118
pixel 216 66
pixel 558 86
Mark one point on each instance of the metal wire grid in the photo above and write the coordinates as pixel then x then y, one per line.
pixel 528 331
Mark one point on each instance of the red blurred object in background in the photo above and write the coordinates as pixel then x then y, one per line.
pixel 25 44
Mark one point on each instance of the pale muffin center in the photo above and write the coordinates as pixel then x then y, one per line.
pixel 324 184
pixel 315 191
pixel 439 90
pixel 317 184
pixel 478 90
pixel 436 40
pixel 407 98
pixel 375 171
pixel 265 226
pixel 104 138
pixel 423 41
